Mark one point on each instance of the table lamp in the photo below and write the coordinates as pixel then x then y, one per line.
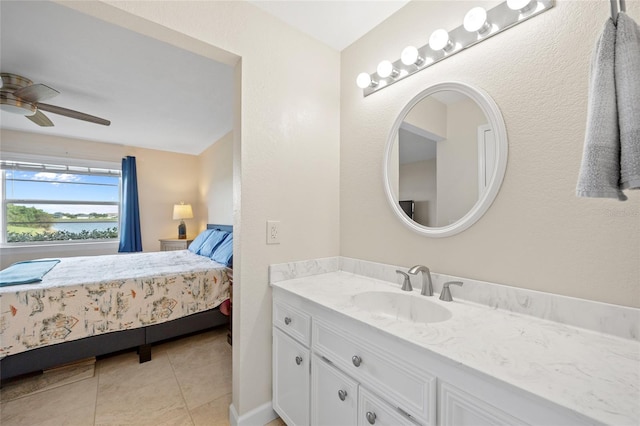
pixel 180 212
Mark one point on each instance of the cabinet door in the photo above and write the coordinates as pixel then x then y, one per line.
pixel 290 379
pixel 334 396
pixel 459 408
pixel 374 411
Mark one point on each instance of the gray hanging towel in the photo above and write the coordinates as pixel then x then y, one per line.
pixel 600 169
pixel 627 71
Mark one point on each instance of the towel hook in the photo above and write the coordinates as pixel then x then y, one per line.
pixel 614 8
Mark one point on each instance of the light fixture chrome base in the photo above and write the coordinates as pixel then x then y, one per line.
pixel 499 18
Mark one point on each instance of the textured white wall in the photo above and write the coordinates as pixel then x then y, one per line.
pixel 286 154
pixel 537 234
pixel 216 183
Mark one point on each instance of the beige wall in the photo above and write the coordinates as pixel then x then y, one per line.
pixel 537 234
pixel 458 161
pixel 164 179
pixel 216 183
pixel 429 114
pixel 286 155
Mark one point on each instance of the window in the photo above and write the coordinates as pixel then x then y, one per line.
pixel 48 202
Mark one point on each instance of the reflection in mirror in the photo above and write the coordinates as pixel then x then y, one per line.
pixel 441 146
pixel 445 159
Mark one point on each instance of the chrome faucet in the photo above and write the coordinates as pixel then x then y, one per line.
pixel 406 284
pixel 427 285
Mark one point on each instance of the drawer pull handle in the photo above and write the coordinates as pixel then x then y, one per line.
pixel 298 360
pixel 342 394
pixel 356 361
pixel 371 417
pixel 287 320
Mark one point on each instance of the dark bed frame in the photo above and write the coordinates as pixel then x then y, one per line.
pixel 63 353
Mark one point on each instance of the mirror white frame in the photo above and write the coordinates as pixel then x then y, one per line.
pixel 494 117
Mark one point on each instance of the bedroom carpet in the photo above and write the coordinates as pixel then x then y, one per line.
pixel 188 382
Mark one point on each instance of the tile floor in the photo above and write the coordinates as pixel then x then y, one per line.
pixel 188 382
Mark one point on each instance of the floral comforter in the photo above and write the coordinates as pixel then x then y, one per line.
pixel 87 296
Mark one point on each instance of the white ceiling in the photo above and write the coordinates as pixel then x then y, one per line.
pixel 155 95
pixel 337 23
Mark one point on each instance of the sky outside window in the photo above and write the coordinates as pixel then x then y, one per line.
pixel 50 186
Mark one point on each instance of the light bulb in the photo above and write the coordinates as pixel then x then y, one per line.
pixel 521 5
pixel 476 21
pixel 439 40
pixel 410 56
pixel 385 69
pixel 364 80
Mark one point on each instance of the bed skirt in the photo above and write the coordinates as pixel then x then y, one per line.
pixel 62 353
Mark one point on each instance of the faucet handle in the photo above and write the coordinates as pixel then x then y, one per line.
pixel 445 294
pixel 406 284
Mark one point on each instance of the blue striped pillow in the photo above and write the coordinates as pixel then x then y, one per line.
pixel 199 240
pixel 224 253
pixel 212 243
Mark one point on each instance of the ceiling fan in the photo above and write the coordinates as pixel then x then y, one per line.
pixel 19 95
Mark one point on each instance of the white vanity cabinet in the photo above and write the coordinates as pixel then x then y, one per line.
pixel 338 400
pixel 407 387
pixel 374 411
pixel 351 373
pixel 291 364
pixel 291 379
pixel 324 375
pixel 334 395
pixel 459 408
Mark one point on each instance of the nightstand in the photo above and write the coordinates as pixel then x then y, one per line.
pixel 169 244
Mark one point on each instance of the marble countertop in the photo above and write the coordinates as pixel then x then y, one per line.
pixel 594 374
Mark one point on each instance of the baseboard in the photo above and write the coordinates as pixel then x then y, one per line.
pixel 259 416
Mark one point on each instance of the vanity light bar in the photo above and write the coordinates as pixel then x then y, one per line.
pixel 443 44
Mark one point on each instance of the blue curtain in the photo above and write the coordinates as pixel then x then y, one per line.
pixel 130 235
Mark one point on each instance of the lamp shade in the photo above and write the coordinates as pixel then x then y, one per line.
pixel 182 211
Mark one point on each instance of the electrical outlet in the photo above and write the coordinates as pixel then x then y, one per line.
pixel 273 232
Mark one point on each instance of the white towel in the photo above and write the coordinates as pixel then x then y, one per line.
pixel 627 72
pixel 600 169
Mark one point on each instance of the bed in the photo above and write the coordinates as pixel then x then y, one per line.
pixel 132 301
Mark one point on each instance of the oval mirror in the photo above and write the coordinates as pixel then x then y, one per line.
pixel 445 159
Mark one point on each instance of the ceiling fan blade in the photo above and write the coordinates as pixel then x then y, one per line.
pixel 40 119
pixel 35 93
pixel 73 114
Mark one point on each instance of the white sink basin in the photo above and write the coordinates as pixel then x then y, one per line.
pixel 410 307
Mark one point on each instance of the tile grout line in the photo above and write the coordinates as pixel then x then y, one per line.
pixel 95 407
pixel 175 376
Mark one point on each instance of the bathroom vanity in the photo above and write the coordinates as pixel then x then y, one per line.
pixel 349 349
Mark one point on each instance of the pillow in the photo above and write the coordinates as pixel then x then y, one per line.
pixel 212 243
pixel 224 253
pixel 199 240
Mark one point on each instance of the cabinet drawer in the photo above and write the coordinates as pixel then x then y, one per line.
pixel 411 389
pixel 374 411
pixel 171 246
pixel 334 396
pixel 292 321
